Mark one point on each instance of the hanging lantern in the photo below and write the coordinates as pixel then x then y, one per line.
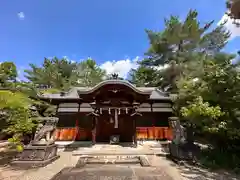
pixel 100 110
pixel 109 111
pixel 119 111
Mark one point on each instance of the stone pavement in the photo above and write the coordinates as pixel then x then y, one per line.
pixel 64 168
pixel 159 170
pixel 110 172
pixel 45 173
pixel 100 149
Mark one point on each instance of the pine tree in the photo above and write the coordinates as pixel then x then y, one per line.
pixel 179 44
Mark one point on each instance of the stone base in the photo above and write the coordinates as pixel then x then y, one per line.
pixel 183 151
pixel 36 156
pixel 33 164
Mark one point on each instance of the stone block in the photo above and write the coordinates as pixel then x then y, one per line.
pixel 36 156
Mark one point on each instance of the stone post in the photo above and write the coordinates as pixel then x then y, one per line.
pixel 176 129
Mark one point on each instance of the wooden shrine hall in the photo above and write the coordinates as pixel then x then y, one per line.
pixel 112 111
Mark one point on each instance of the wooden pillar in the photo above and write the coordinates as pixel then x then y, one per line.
pixel 77 124
pixel 135 132
pixel 77 130
pixel 94 130
pixel 154 129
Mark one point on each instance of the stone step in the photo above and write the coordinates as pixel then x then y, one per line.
pixel 113 161
pixel 113 153
pixel 132 153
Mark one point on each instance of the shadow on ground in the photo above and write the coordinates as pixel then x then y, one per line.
pixel 74 146
pixel 7 157
pixel 194 172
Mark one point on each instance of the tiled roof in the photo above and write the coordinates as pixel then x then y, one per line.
pixel 75 92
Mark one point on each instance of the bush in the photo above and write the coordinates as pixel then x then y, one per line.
pixel 15 142
pixel 218 159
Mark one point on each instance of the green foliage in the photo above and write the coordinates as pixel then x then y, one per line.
pixel 180 43
pixel 13 100
pixel 54 73
pixel 185 58
pixel 144 76
pixel 15 142
pixel 199 110
pixel 89 74
pixel 8 73
pixel 50 91
pixel 15 111
pixel 218 159
pixel 61 74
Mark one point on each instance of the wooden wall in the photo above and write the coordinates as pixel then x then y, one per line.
pixel 154 133
pixel 78 127
pixel 153 126
pixel 73 126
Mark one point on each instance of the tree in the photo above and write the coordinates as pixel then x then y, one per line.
pixel 8 73
pixel 15 111
pixel 144 76
pixel 181 43
pixel 54 73
pixel 200 115
pixel 218 86
pixel 61 74
pixel 89 74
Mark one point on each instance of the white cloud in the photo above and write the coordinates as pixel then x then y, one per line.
pixel 21 15
pixel 121 67
pixel 20 73
pixel 233 28
pixel 71 60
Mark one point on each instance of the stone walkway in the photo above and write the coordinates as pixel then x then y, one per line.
pixel 46 173
pixel 67 160
pixel 161 168
pixel 119 150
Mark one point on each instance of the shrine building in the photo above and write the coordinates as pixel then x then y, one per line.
pixel 113 110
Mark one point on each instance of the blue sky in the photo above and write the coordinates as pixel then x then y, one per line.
pixel 106 30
